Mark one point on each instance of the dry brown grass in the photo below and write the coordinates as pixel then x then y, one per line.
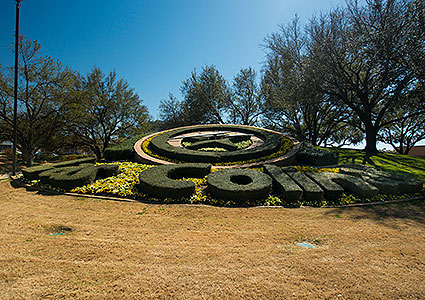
pixel 119 250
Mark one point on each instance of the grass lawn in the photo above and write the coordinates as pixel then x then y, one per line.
pixel 390 162
pixel 66 247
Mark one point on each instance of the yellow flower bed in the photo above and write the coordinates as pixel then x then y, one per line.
pixel 122 185
pixel 304 169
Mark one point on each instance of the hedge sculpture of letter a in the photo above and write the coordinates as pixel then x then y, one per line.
pixel 239 185
pixel 161 181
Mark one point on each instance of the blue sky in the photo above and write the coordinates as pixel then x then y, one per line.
pixel 154 45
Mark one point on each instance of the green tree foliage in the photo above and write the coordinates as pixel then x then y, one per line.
pixel 106 109
pixel 407 131
pixel 372 58
pixel 206 97
pixel 43 97
pixel 294 101
pixel 171 113
pixel 244 106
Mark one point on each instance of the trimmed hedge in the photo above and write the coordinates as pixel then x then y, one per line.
pixel 72 177
pixel 313 156
pixel 45 176
pixel 283 184
pixel 387 183
pixel 161 181
pixel 32 173
pixel 332 190
pixel 384 185
pixel 68 178
pixel 160 146
pixel 312 191
pixel 123 151
pixel 353 184
pixel 239 185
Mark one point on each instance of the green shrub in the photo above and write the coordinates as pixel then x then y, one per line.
pixel 32 173
pixel 72 177
pixel 123 151
pixel 159 145
pixel 162 181
pixel 45 175
pixel 311 191
pixel 332 190
pixel 353 184
pixel 314 156
pixel 283 184
pixel 239 185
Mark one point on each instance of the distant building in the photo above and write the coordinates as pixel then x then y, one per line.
pixel 417 151
pixel 5 145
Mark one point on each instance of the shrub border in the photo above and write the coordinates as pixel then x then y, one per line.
pixel 19 183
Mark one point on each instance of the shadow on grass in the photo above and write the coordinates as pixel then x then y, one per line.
pixel 390 162
pixel 386 214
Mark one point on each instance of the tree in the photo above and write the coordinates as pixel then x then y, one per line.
pixel 171 113
pixel 405 133
pixel 43 97
pixel 206 97
pixel 293 99
pixel 107 109
pixel 245 104
pixel 367 52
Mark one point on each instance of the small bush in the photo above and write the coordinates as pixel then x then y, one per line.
pixel 314 156
pixel 123 151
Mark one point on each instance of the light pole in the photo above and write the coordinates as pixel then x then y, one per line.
pixel 15 102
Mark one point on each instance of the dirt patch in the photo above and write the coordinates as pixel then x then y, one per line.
pixel 120 250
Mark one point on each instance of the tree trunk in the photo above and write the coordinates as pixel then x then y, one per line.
pixel 97 152
pixel 371 134
pixel 28 158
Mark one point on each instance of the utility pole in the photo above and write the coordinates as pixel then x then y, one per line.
pixel 15 103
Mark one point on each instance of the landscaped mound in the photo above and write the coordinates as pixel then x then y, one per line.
pixel 198 183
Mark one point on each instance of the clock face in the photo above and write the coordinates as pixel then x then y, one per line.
pixel 216 141
pixel 214 144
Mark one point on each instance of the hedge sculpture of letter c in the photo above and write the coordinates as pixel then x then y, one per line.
pixel 161 181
